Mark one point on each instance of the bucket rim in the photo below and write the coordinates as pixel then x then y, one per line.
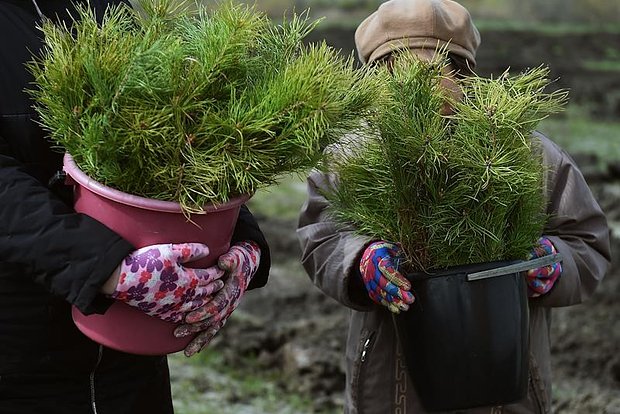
pixel 82 179
pixel 460 270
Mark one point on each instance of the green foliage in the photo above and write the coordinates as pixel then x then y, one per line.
pixel 578 133
pixel 458 189
pixel 281 201
pixel 602 65
pixel 194 107
pixel 209 383
pixel 556 29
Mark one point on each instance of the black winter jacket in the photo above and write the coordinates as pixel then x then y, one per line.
pixel 52 258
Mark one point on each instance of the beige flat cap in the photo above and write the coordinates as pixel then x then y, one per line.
pixel 418 24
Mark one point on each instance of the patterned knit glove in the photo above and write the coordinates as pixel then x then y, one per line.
pixel 384 283
pixel 541 280
pixel 240 263
pixel 154 280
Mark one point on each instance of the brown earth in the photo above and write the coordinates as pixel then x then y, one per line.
pixel 296 331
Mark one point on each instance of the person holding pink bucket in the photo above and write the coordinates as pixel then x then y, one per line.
pixel 53 259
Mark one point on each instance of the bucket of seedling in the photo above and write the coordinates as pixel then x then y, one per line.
pixel 462 194
pixel 172 117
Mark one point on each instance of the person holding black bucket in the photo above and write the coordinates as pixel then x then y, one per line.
pixel 363 275
pixel 52 258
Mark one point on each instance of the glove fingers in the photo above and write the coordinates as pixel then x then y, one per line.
pixel 206 291
pixel 385 284
pixel 201 314
pixel 547 272
pixel 242 252
pixel 229 261
pixel 226 298
pixel 538 287
pixel 188 252
pixel 407 297
pixel 392 303
pixel 202 340
pixel 396 301
pixel 543 247
pixel 377 298
pixel 550 272
pixel 401 305
pixel 190 328
pixel 203 311
pixel 198 297
pixel 191 305
pixel 388 270
pixel 208 275
pixel 391 306
pixel 386 246
pixel 394 291
pixel 209 310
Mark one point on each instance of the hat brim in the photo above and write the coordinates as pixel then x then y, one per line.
pixel 429 45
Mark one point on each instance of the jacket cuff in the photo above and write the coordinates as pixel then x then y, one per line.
pixel 353 291
pixel 90 300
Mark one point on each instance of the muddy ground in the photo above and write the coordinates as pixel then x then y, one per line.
pixel 292 330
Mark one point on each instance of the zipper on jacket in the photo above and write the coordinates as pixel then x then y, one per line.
pixel 366 347
pixel 93 402
pixel 366 344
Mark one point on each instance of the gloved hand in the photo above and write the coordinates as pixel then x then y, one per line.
pixel 384 283
pixel 541 280
pixel 240 264
pixel 154 280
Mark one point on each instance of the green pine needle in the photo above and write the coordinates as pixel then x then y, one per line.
pixel 452 190
pixel 194 107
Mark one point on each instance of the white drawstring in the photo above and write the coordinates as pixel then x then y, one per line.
pixel 36 6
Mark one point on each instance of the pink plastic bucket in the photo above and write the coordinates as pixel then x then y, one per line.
pixel 143 222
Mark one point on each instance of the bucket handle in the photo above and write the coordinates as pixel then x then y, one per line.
pixel 517 267
pixel 60 178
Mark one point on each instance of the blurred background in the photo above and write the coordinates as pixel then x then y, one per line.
pixel 282 350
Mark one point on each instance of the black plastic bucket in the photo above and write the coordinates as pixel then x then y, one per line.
pixel 466 342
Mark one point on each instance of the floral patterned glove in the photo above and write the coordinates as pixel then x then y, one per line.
pixel 384 283
pixel 154 280
pixel 240 264
pixel 541 280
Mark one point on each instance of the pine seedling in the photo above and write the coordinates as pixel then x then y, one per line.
pixel 194 107
pixel 452 190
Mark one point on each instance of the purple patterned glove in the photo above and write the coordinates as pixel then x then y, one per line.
pixel 541 280
pixel 385 285
pixel 154 280
pixel 240 264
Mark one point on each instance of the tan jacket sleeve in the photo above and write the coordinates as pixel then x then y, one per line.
pixel 330 252
pixel 577 227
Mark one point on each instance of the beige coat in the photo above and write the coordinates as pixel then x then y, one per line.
pixel 378 383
